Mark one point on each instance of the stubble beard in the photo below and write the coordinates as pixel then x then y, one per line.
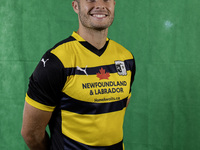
pixel 87 22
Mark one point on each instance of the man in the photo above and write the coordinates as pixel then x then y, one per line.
pixel 81 87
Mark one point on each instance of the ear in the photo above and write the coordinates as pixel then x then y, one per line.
pixel 75 6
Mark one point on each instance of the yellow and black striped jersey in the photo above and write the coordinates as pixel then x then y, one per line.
pixel 87 90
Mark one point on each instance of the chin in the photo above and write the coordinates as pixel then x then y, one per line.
pixel 100 27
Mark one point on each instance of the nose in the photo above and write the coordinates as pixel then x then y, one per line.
pixel 100 4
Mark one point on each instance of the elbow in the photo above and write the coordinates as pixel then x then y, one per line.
pixel 28 137
pixel 33 138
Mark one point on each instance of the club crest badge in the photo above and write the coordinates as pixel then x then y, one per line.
pixel 120 67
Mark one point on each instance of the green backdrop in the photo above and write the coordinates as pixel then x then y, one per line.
pixel 163 35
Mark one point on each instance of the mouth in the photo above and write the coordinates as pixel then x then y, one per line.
pixel 99 15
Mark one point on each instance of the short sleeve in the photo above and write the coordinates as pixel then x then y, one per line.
pixel 46 83
pixel 133 70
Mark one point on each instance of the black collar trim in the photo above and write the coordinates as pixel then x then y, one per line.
pixel 93 49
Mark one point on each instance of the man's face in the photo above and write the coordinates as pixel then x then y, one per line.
pixel 96 14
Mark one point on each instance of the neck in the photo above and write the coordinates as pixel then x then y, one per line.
pixel 94 37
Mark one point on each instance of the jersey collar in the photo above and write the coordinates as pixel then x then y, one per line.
pixel 90 47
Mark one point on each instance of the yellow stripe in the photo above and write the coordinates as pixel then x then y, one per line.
pixel 94 130
pixel 85 93
pixel 38 105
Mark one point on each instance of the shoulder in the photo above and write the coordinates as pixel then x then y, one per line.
pixel 121 49
pixel 63 50
pixel 52 62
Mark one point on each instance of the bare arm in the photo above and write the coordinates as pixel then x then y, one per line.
pixel 33 127
pixel 128 100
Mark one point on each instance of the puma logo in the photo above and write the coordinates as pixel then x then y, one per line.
pixel 44 61
pixel 83 70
